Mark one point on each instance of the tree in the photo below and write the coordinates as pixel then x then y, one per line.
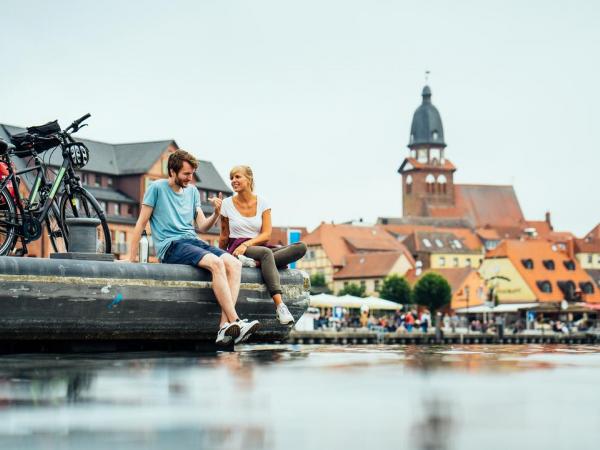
pixel 432 291
pixel 396 289
pixel 317 280
pixel 353 289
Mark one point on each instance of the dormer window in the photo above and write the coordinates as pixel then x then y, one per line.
pixel 527 263
pixel 427 242
pixel 569 265
pixel 544 286
pixel 435 135
pixel 586 287
pixel 568 289
pixel 439 243
pixel 548 264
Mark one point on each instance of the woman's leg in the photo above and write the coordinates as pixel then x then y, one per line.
pixel 289 254
pixel 268 268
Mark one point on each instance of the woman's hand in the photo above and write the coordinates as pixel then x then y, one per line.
pixel 217 202
pixel 240 250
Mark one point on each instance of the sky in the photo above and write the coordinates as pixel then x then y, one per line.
pixel 318 96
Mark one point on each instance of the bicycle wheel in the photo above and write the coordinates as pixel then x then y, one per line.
pixel 80 203
pixel 57 235
pixel 8 214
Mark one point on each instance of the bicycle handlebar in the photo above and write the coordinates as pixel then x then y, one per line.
pixel 75 125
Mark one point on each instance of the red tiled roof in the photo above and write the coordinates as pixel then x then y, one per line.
pixel 333 239
pixel 417 165
pixel 497 206
pixel 465 235
pixel 538 251
pixel 369 265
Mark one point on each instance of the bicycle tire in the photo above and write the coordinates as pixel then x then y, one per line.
pixel 80 203
pixel 8 212
pixel 56 232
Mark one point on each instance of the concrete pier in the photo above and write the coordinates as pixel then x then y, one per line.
pixel 50 302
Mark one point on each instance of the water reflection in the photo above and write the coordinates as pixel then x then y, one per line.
pixel 271 397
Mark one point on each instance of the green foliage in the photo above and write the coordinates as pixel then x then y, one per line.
pixel 317 280
pixel 396 289
pixel 353 289
pixel 432 291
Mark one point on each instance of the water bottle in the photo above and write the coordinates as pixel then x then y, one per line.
pixel 144 247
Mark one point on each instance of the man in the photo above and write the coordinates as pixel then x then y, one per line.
pixel 173 207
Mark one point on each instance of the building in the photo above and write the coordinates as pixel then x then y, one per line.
pixel 587 250
pixel 118 175
pixel 467 285
pixel 442 249
pixel 431 197
pixel 370 269
pixel 330 245
pixel 535 270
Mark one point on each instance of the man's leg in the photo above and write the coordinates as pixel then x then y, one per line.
pixel 220 286
pixel 233 270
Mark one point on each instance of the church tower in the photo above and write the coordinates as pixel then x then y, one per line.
pixel 427 176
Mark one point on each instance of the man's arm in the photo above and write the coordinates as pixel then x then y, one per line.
pixel 224 236
pixel 145 214
pixel 205 223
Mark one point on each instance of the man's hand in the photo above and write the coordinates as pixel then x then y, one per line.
pixel 240 250
pixel 217 202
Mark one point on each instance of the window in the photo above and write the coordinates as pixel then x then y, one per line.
pixel 527 263
pixel 586 287
pixel 98 180
pixel 117 209
pixel 427 242
pixel 130 210
pixel 590 260
pixel 345 284
pixel 442 261
pixel 439 243
pixel 430 183
pixel 103 205
pixel 569 265
pixel 455 261
pixel 204 196
pixel 363 283
pixel 468 262
pixel 548 264
pixel 109 181
pixel 457 244
pixel 544 286
pixel 434 135
pixel 377 283
pixel 568 289
pixel 409 182
pixel 441 184
pixel 422 155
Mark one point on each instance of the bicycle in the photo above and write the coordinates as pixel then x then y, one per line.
pixel 24 218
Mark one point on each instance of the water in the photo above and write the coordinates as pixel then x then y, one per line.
pixel 306 397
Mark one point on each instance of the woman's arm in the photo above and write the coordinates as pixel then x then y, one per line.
pixel 224 236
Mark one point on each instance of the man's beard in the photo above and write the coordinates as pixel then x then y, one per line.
pixel 179 183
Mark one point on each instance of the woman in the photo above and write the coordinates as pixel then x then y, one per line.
pixel 246 229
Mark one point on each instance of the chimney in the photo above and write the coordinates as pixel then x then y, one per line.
pixel 571 248
pixel 548 221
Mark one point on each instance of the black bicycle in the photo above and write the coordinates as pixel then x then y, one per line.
pixel 50 202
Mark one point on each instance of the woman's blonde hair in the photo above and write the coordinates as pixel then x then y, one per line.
pixel 246 171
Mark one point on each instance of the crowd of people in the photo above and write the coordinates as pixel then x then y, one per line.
pixel 416 320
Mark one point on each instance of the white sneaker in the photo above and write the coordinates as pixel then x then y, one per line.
pixel 227 332
pixel 247 262
pixel 246 330
pixel 283 314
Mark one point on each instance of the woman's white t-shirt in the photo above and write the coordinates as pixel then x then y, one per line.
pixel 241 226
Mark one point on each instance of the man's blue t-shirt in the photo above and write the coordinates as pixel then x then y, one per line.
pixel 173 215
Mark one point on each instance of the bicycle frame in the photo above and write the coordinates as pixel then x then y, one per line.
pixel 40 180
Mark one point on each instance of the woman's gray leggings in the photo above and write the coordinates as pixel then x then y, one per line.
pixel 272 259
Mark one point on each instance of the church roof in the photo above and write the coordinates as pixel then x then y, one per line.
pixel 426 125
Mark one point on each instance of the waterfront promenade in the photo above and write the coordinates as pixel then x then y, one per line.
pixel 353 336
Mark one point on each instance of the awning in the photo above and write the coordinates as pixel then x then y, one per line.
pixel 350 301
pixel 502 308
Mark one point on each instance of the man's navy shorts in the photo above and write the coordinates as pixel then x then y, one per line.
pixel 189 251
